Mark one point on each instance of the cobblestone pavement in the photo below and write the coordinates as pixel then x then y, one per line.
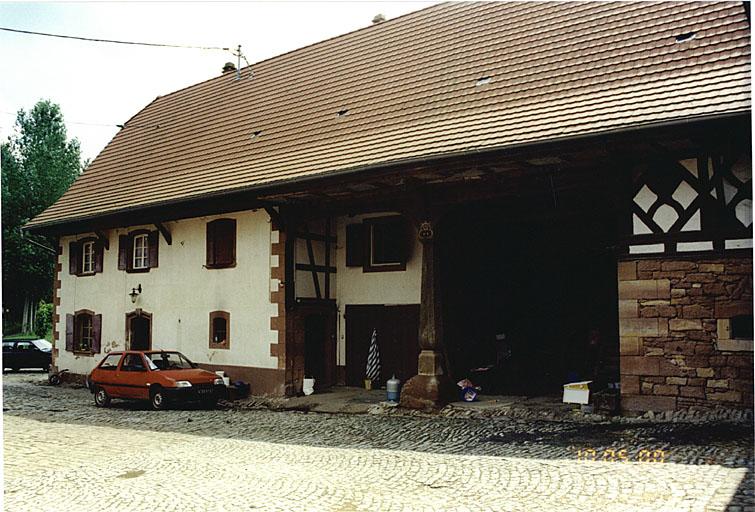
pixel 62 453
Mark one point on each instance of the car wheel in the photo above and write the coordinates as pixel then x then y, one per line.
pixel 101 397
pixel 158 399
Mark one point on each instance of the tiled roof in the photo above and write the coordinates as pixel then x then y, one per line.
pixel 411 87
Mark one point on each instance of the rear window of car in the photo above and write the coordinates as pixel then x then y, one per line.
pixel 7 346
pixel 110 362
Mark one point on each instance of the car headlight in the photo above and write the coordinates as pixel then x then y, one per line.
pixel 219 382
pixel 183 384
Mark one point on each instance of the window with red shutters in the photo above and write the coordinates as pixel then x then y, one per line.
pixel 221 243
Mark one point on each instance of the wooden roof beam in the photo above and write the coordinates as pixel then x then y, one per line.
pixel 165 232
pixel 104 239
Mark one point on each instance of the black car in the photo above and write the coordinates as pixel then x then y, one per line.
pixel 19 354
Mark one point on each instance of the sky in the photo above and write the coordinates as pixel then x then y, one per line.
pixel 100 85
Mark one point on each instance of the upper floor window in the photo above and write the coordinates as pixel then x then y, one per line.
pixel 141 256
pixel 83 332
pixel 85 256
pixel 221 243
pixel 138 251
pixel 378 244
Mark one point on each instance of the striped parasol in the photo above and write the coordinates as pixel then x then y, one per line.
pixel 373 359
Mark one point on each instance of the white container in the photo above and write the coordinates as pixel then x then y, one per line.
pixel 577 392
pixel 226 380
pixel 308 386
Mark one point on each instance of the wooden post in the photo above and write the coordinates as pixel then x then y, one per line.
pixel 431 387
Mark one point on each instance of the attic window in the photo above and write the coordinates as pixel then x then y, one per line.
pixel 256 134
pixel 683 38
pixel 342 112
pixel 483 81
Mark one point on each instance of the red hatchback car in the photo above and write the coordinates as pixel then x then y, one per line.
pixel 160 376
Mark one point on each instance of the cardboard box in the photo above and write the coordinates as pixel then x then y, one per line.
pixel 577 392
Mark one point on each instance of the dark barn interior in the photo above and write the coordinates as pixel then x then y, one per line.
pixel 529 295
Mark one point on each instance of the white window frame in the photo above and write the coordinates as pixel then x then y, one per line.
pixel 87 332
pixel 140 258
pixel 87 258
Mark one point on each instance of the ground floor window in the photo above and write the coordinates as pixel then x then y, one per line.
pixel 220 327
pixel 83 332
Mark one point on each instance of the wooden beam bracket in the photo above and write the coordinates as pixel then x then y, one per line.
pixel 104 239
pixel 164 231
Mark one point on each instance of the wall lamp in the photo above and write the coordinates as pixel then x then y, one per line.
pixel 135 292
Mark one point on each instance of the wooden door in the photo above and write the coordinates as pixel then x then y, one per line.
pixel 312 349
pixel 397 336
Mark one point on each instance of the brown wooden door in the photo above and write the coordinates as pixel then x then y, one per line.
pixel 397 334
pixel 313 351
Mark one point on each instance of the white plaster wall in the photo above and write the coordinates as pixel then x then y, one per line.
pixel 180 294
pixel 354 286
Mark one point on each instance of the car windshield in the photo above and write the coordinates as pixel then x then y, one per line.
pixel 42 344
pixel 168 361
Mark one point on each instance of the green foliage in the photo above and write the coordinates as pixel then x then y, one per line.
pixel 38 163
pixel 44 319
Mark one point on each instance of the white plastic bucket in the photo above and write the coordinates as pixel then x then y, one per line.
pixel 308 386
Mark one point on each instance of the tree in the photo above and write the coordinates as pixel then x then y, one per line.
pixel 38 164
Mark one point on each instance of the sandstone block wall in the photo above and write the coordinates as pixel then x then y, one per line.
pixel 675 350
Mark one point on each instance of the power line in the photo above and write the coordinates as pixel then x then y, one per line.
pixel 114 41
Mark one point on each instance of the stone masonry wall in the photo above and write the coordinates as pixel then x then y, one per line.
pixel 673 325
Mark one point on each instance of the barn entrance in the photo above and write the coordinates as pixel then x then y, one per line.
pixel 139 330
pixel 529 302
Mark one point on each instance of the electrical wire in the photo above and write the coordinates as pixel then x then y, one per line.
pixel 114 41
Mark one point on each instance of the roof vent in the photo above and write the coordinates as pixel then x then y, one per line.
pixel 683 38
pixel 228 67
pixel 379 18
pixel 342 112
pixel 256 134
pixel 483 81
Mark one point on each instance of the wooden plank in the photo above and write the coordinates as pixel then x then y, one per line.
pixel 164 232
pixel 327 258
pixel 316 268
pixel 311 254
pixel 104 239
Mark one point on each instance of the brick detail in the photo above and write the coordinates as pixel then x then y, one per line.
pixel 277 293
pixel 672 312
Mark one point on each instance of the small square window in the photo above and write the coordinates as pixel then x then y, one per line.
pixel 386 244
pixel 741 327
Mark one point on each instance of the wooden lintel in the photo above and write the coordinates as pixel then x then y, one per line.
pixel 104 239
pixel 164 231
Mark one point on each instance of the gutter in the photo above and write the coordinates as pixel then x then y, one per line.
pixel 269 187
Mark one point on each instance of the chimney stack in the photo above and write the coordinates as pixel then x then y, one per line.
pixel 228 67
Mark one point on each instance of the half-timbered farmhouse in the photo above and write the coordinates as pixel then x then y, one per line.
pixel 518 193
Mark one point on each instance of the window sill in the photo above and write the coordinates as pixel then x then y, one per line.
pixel 398 267
pixel 216 267
pixel 137 270
pixel 735 345
pixel 87 353
pixel 220 346
pixel 86 274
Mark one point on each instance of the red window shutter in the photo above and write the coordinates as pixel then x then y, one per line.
pixel 210 247
pixel 124 252
pixel 69 332
pixel 99 250
pixel 74 257
pixel 154 243
pixel 96 333
pixel 355 245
